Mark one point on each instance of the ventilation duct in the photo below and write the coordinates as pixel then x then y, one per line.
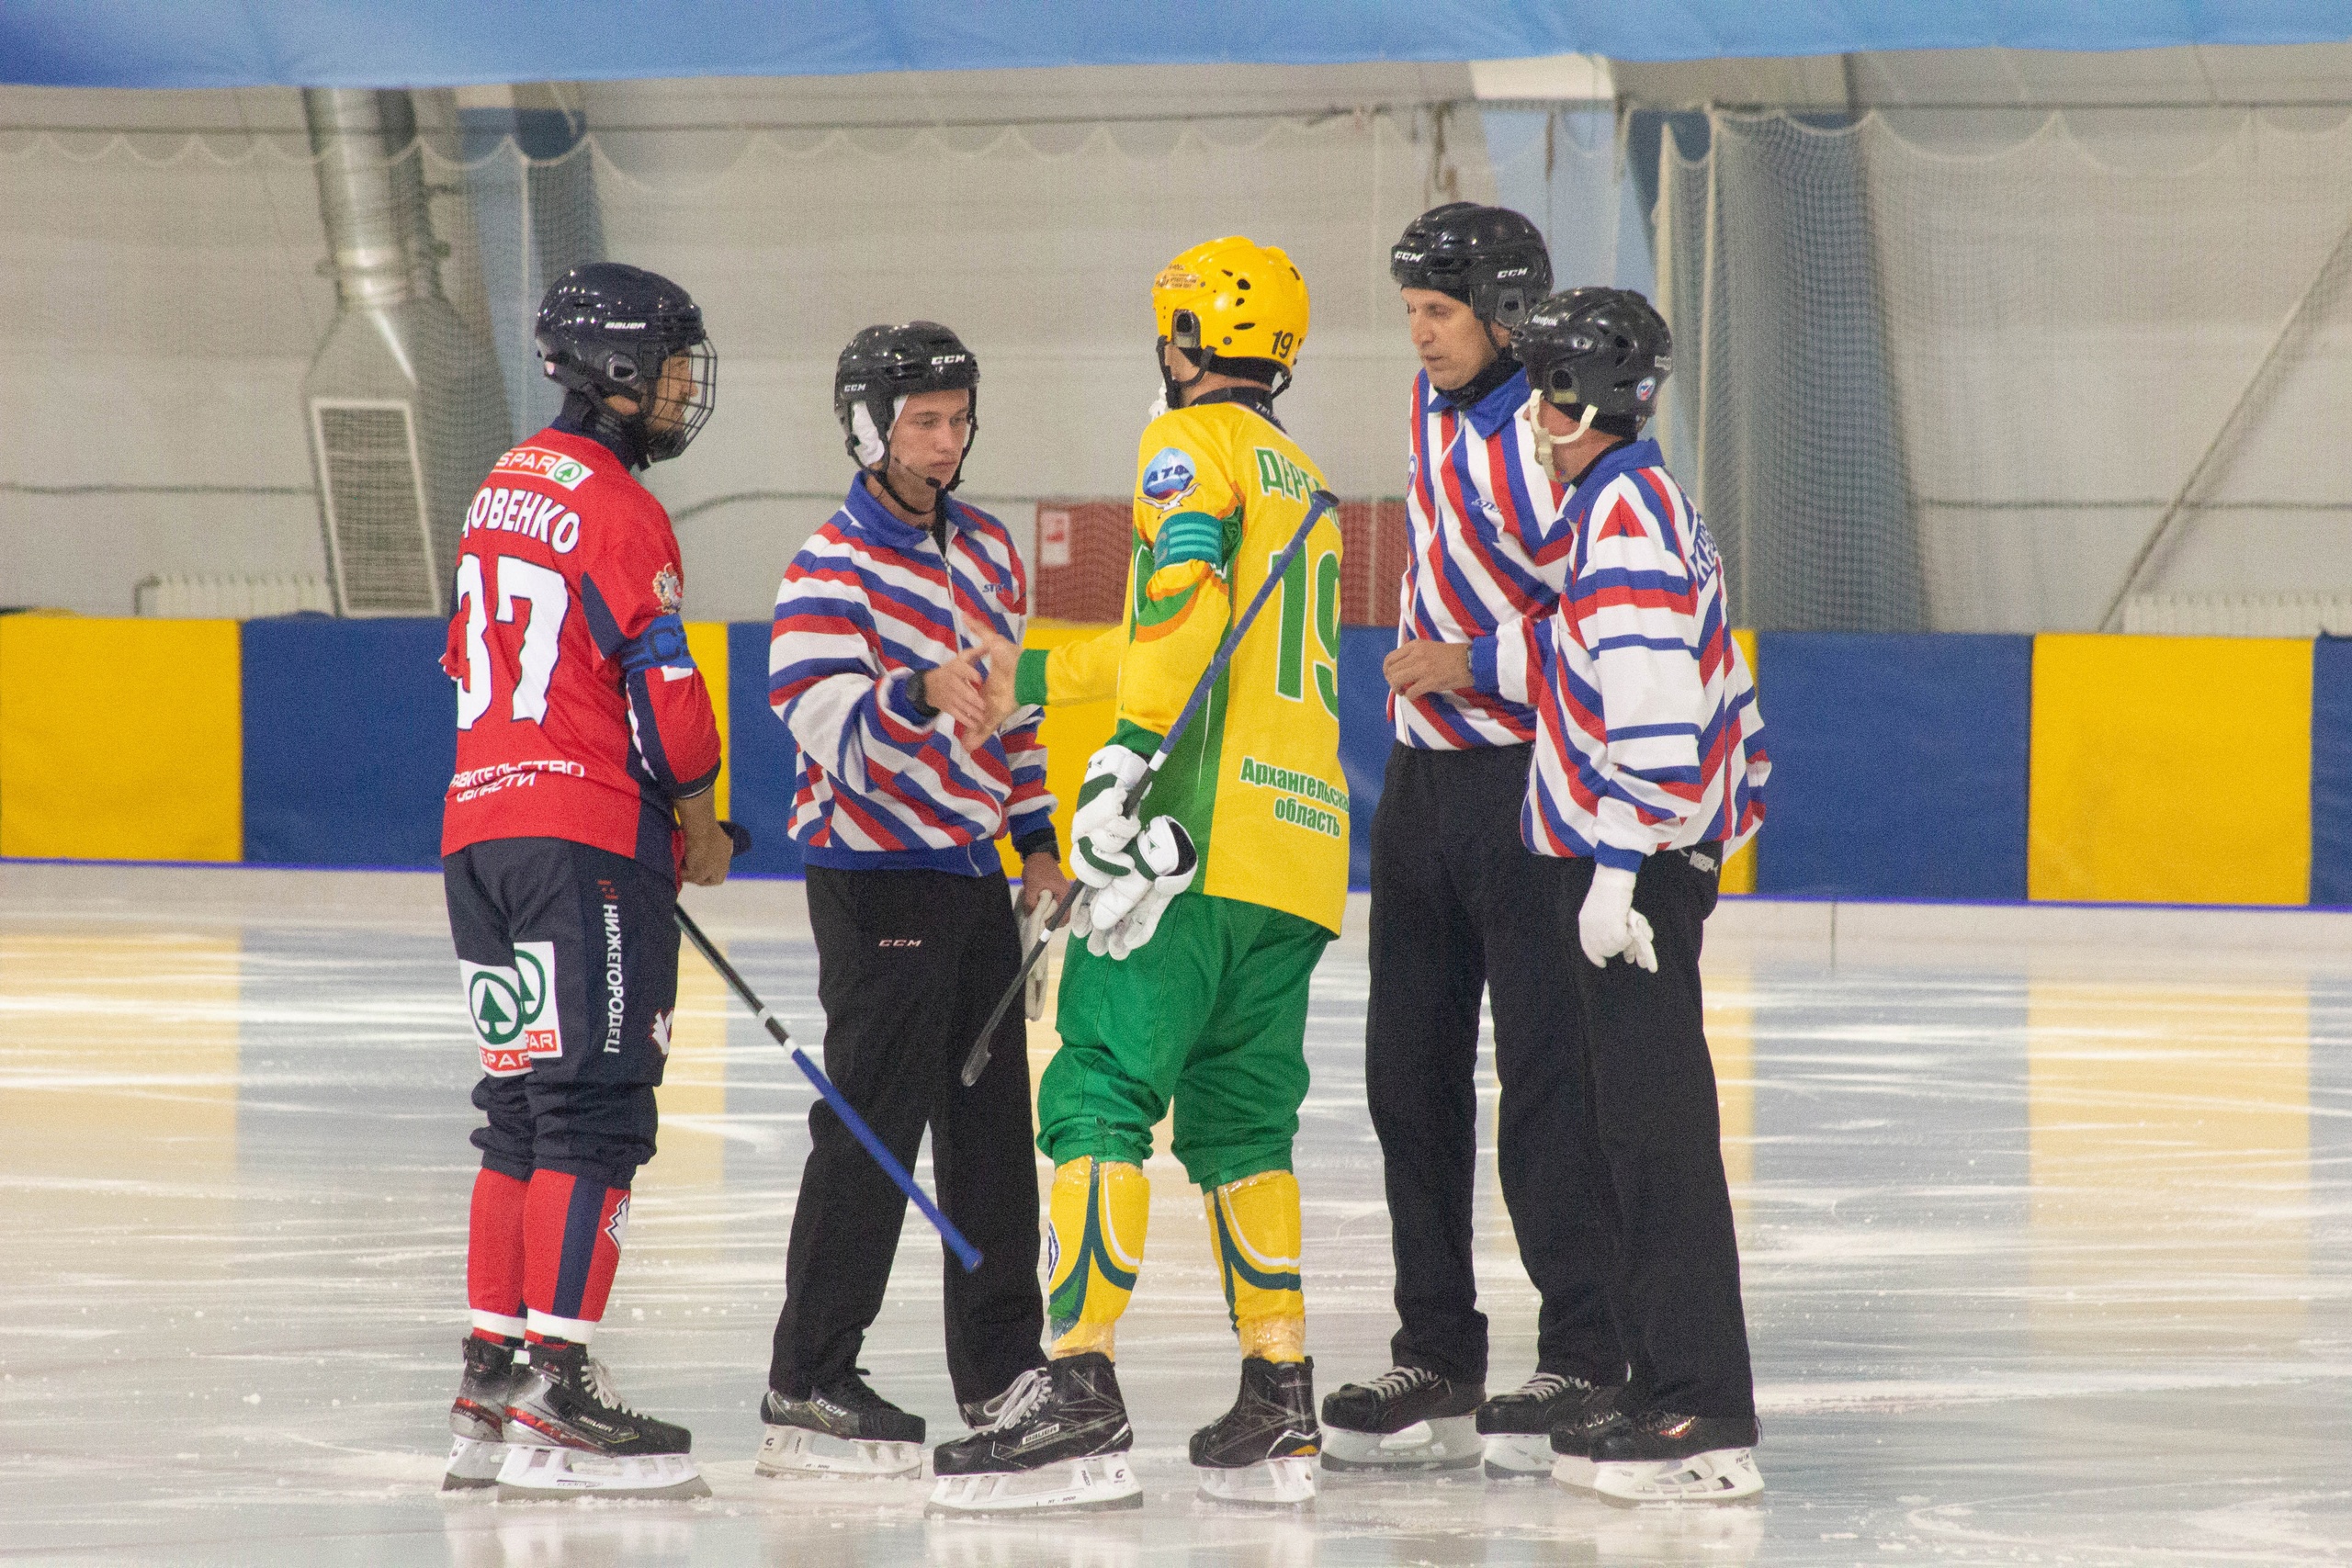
pixel 404 401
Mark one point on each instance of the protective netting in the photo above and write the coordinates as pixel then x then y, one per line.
pixel 1952 373
pixel 1921 384
pixel 173 294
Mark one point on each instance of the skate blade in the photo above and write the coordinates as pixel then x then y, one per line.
pixel 1098 1481
pixel 534 1474
pixel 1448 1442
pixel 1518 1456
pixel 796 1453
pixel 1276 1484
pixel 1719 1476
pixel 473 1464
pixel 1573 1471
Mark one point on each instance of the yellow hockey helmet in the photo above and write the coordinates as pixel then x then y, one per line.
pixel 1235 306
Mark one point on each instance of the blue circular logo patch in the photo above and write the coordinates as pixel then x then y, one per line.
pixel 1169 476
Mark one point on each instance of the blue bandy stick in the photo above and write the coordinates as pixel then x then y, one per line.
pixel 965 1253
pixel 1324 501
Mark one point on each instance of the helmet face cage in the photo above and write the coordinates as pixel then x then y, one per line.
pixel 681 401
pixel 608 331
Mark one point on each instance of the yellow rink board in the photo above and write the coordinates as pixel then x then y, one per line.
pixel 1072 733
pixel 2170 770
pixel 1739 872
pixel 707 645
pixel 120 739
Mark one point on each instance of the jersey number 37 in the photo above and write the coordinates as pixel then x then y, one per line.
pixel 544 599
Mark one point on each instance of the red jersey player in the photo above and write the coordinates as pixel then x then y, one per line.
pixel 586 752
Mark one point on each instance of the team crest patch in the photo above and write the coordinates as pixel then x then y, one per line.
pixel 668 588
pixel 1645 389
pixel 538 462
pixel 514 1013
pixel 1169 477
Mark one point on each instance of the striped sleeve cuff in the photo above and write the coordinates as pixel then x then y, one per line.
pixel 1483 674
pixel 1623 859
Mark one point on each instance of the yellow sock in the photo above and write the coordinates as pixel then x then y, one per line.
pixel 1254 1225
pixel 1098 1215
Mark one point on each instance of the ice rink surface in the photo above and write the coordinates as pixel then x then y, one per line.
pixel 2044 1217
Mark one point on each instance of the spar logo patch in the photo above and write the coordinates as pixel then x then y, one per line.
pixel 539 462
pixel 1169 477
pixel 516 1021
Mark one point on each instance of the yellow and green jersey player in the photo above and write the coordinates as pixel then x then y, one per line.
pixel 1210 1006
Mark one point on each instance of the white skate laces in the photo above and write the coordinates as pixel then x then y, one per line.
pixel 1397 1382
pixel 1021 1401
pixel 1545 1385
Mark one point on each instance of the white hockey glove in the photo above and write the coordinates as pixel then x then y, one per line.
pixel 1125 912
pixel 1608 925
pixel 1100 820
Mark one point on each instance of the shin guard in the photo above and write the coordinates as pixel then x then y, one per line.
pixel 573 1227
pixel 494 1256
pixel 1098 1214
pixel 1253 1224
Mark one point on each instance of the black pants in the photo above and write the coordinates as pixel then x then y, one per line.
pixel 908 964
pixel 1459 906
pixel 1650 1100
pixel 570 958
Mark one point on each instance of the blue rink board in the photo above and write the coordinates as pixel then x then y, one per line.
pixel 1899 762
pixel 1900 765
pixel 2332 771
pixel 350 740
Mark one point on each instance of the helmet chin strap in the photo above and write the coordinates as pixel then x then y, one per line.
pixel 1171 388
pixel 930 504
pixel 1544 439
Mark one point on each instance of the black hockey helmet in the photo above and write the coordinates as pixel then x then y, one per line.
pixel 1606 349
pixel 884 364
pixel 1490 258
pixel 605 331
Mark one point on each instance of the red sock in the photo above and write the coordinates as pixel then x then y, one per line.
pixel 494 1256
pixel 571 1243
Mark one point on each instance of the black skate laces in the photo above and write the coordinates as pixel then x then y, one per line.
pixel 1021 1401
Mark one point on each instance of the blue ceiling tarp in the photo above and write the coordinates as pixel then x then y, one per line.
pixel 244 43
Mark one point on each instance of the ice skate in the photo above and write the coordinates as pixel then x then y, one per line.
pixel 1262 1450
pixel 1574 1437
pixel 1061 1442
pixel 1660 1457
pixel 568 1437
pixel 842 1429
pixel 477 1415
pixel 1518 1425
pixel 1407 1418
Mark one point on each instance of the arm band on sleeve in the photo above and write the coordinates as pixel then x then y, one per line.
pixel 663 643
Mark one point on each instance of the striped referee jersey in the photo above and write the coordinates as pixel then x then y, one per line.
pixel 1488 554
pixel 867 602
pixel 1650 736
